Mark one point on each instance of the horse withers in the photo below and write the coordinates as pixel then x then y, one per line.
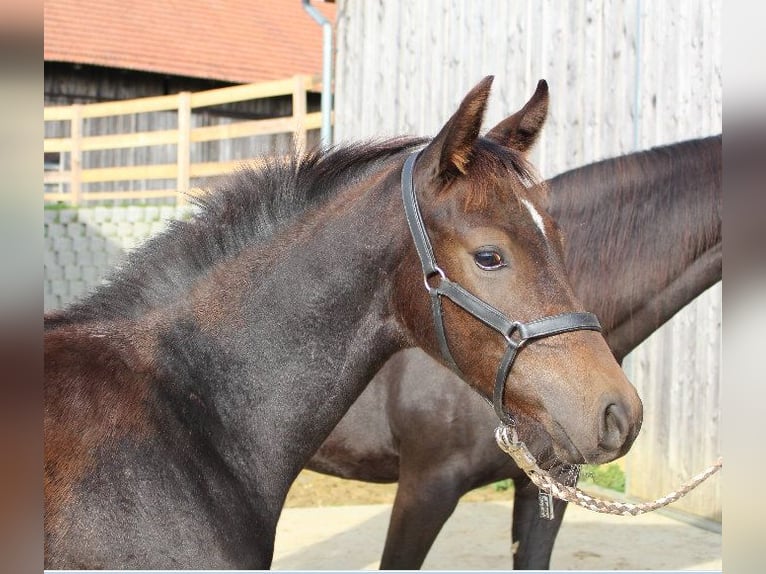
pixel 183 397
pixel 643 239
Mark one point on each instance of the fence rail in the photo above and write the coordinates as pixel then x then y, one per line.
pixel 183 136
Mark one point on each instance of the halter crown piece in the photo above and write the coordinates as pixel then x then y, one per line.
pixel 516 333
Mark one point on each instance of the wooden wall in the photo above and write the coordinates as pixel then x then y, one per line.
pixel 624 75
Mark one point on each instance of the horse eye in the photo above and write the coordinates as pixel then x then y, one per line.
pixel 489 259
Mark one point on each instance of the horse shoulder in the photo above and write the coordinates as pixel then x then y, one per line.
pixel 93 398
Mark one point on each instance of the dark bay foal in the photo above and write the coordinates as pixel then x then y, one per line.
pixel 183 397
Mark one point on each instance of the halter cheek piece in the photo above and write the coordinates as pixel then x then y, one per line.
pixel 516 334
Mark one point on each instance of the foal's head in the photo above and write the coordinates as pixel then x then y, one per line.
pixel 491 234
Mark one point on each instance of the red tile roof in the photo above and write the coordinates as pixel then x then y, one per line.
pixel 229 40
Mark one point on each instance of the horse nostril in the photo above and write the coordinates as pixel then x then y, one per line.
pixel 615 428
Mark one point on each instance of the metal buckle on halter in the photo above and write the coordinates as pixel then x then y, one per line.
pixel 427 276
pixel 515 328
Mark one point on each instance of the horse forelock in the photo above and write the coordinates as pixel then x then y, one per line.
pixel 242 209
pixel 489 182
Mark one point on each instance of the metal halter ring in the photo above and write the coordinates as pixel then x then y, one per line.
pixel 437 271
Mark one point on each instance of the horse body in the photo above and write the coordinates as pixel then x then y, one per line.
pixel 183 397
pixel 651 223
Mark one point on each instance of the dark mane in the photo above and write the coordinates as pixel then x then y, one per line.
pixel 648 182
pixel 243 209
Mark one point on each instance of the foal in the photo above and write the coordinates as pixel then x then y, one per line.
pixel 183 397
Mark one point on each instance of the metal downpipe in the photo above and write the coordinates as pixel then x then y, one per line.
pixel 326 130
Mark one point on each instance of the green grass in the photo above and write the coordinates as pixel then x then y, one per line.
pixel 502 485
pixel 605 475
pixel 58 206
pixel 608 476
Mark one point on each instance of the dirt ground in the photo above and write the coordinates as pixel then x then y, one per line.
pixel 315 489
pixel 340 525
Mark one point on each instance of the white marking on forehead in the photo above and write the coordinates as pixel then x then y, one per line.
pixel 535 215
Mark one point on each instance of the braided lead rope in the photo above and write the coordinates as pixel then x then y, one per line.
pixel 508 441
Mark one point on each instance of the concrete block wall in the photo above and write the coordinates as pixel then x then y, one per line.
pixel 83 245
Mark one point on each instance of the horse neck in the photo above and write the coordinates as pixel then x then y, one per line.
pixel 643 233
pixel 279 341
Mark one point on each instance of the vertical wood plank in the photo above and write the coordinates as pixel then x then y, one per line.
pixel 75 159
pixel 184 147
pixel 299 112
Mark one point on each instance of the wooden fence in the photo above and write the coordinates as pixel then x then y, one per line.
pixel 72 182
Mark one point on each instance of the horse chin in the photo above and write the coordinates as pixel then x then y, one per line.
pixel 547 441
pixel 548 448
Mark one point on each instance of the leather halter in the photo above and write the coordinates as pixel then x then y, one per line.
pixel 516 333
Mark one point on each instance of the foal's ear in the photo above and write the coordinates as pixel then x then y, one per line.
pixel 449 153
pixel 520 130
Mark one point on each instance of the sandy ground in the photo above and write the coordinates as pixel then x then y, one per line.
pixel 477 536
pixel 315 489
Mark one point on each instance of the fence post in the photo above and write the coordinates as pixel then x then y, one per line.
pixel 184 147
pixel 299 113
pixel 75 158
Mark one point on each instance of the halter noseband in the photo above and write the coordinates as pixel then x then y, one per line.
pixel 516 334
